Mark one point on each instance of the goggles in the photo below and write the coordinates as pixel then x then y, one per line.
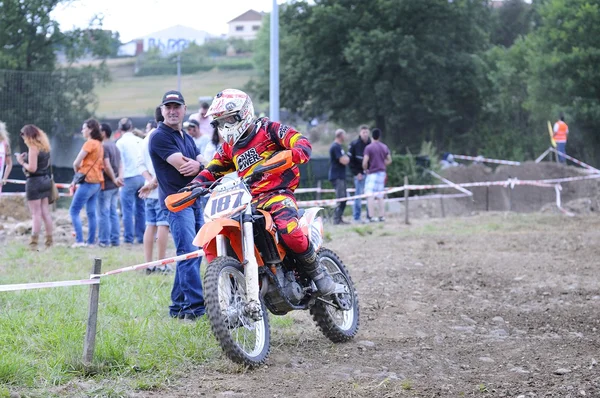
pixel 231 119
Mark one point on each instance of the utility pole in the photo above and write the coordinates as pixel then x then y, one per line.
pixel 274 65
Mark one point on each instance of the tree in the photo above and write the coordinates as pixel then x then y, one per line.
pixel 511 21
pixel 564 58
pixel 33 88
pixel 412 67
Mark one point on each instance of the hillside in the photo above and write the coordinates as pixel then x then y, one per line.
pixel 137 96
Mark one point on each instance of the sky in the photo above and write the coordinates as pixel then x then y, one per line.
pixel 134 19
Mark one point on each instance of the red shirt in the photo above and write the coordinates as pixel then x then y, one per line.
pixel 251 151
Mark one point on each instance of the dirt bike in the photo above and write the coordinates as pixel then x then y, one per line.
pixel 249 270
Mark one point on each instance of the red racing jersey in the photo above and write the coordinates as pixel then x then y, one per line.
pixel 249 152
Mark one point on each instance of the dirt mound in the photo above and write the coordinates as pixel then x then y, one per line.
pixel 14 207
pixel 577 196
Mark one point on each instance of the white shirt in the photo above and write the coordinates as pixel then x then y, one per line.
pixel 209 151
pixel 131 149
pixel 206 129
pixel 145 163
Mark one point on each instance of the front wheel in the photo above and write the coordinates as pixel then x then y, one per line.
pixel 244 340
pixel 338 319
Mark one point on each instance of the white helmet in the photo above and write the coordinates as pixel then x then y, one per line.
pixel 232 112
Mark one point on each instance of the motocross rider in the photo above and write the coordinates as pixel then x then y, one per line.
pixel 248 142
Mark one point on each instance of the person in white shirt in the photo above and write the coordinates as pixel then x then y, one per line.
pixel 192 127
pixel 206 129
pixel 132 206
pixel 157 223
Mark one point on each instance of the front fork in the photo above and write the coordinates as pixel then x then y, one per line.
pixel 252 308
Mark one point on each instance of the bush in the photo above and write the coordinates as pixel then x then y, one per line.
pixel 242 65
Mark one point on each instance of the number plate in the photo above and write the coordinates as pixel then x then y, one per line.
pixel 222 204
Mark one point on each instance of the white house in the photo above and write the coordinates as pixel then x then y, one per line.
pixel 174 39
pixel 246 26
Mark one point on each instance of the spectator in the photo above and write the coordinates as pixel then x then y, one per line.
pixel 157 223
pixel 151 125
pixel 193 129
pixel 139 133
pixel 176 162
pixel 108 219
pixel 561 133
pixel 376 158
pixel 5 159
pixel 89 161
pixel 337 173
pixel 448 161
pixel 36 166
pixel 209 153
pixel 213 146
pixel 206 129
pixel 356 152
pixel 132 206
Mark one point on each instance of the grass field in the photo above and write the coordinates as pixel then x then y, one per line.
pixel 138 346
pixel 127 95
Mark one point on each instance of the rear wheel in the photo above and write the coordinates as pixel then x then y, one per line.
pixel 338 319
pixel 243 339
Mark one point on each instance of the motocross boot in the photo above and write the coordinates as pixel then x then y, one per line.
pixel 318 273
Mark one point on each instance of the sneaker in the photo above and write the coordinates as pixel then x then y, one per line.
pixel 341 222
pixel 359 221
pixel 150 270
pixel 103 245
pixel 78 244
pixel 381 219
pixel 374 219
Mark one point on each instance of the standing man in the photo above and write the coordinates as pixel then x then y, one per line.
pixel 109 231
pixel 203 120
pixel 175 159
pixel 356 152
pixel 376 158
pixel 561 132
pixel 132 206
pixel 337 173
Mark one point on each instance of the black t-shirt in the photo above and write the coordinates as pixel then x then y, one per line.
pixel 163 143
pixel 337 171
pixel 114 157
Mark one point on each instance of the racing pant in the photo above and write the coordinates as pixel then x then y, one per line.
pixel 284 210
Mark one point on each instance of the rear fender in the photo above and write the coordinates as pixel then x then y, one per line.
pixel 312 226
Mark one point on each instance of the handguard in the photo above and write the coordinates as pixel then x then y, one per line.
pixel 276 164
pixel 181 200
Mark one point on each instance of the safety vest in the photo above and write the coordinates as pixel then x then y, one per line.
pixel 560 131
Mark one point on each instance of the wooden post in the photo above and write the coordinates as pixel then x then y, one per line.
pixel 318 193
pixel 442 206
pixel 487 198
pixel 510 198
pixel 90 333
pixel 406 192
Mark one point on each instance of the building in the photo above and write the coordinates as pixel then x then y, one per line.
pixel 173 39
pixel 246 26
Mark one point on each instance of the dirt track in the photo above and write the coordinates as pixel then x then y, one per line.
pixel 496 305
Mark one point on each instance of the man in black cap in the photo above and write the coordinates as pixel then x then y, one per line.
pixel 176 163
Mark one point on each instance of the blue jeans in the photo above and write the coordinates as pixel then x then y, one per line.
pixel 561 147
pixel 86 195
pixel 130 201
pixel 186 296
pixel 359 186
pixel 108 219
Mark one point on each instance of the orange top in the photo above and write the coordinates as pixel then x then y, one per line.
pixel 93 163
pixel 561 130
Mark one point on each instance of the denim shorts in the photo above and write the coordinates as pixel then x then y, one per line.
pixel 375 183
pixel 154 214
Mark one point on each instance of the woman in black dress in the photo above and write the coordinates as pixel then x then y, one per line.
pixel 36 166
